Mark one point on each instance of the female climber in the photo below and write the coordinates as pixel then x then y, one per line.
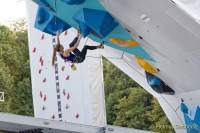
pixel 72 54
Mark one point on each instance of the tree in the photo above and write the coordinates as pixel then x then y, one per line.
pixel 114 79
pixel 6 85
pixel 15 70
pixel 129 105
pixel 159 121
pixel 133 109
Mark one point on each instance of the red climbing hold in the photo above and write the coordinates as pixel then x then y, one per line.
pixel 53 117
pixel 41 94
pixel 42 62
pixel 77 116
pixel 41 59
pixel 44 80
pixel 68 96
pixel 63 68
pixel 67 78
pixel 45 98
pixel 40 70
pixel 42 37
pixel 65 32
pixel 34 50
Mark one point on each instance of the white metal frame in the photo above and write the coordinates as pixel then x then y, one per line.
pixel 16 123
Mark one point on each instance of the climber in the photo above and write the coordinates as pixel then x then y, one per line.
pixel 158 85
pixel 72 54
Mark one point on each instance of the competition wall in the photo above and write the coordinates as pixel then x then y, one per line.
pixel 63 92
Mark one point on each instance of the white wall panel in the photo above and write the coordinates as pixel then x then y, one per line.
pixel 81 92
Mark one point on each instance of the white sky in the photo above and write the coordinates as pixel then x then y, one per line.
pixel 12 10
pixel 15 9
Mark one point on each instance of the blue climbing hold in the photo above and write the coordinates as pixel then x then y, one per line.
pixel 153 80
pixel 47 22
pixel 97 22
pixel 73 2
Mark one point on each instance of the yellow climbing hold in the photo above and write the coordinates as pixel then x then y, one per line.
pixel 146 65
pixel 124 43
pixel 73 67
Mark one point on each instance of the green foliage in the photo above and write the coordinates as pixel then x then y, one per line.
pixel 129 105
pixel 115 79
pixel 132 109
pixel 15 70
pixel 157 116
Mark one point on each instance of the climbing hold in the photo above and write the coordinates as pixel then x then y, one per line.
pixel 45 98
pixel 77 116
pixel 97 22
pixel 44 80
pixel 124 43
pixel 65 32
pixel 40 58
pixel 42 62
pixel 40 70
pixel 41 94
pixel 146 66
pixel 34 50
pixel 42 37
pixel 67 78
pixel 153 80
pixel 68 96
pixel 63 68
pixel 48 22
pixel 73 67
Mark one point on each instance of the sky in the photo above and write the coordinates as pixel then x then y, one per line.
pixel 12 10
pixel 16 9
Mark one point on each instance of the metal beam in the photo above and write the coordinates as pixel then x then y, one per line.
pixel 17 123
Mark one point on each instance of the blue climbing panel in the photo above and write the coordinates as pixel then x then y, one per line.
pixel 192 125
pixel 91 18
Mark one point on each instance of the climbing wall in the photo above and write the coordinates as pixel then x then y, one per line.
pixel 66 92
